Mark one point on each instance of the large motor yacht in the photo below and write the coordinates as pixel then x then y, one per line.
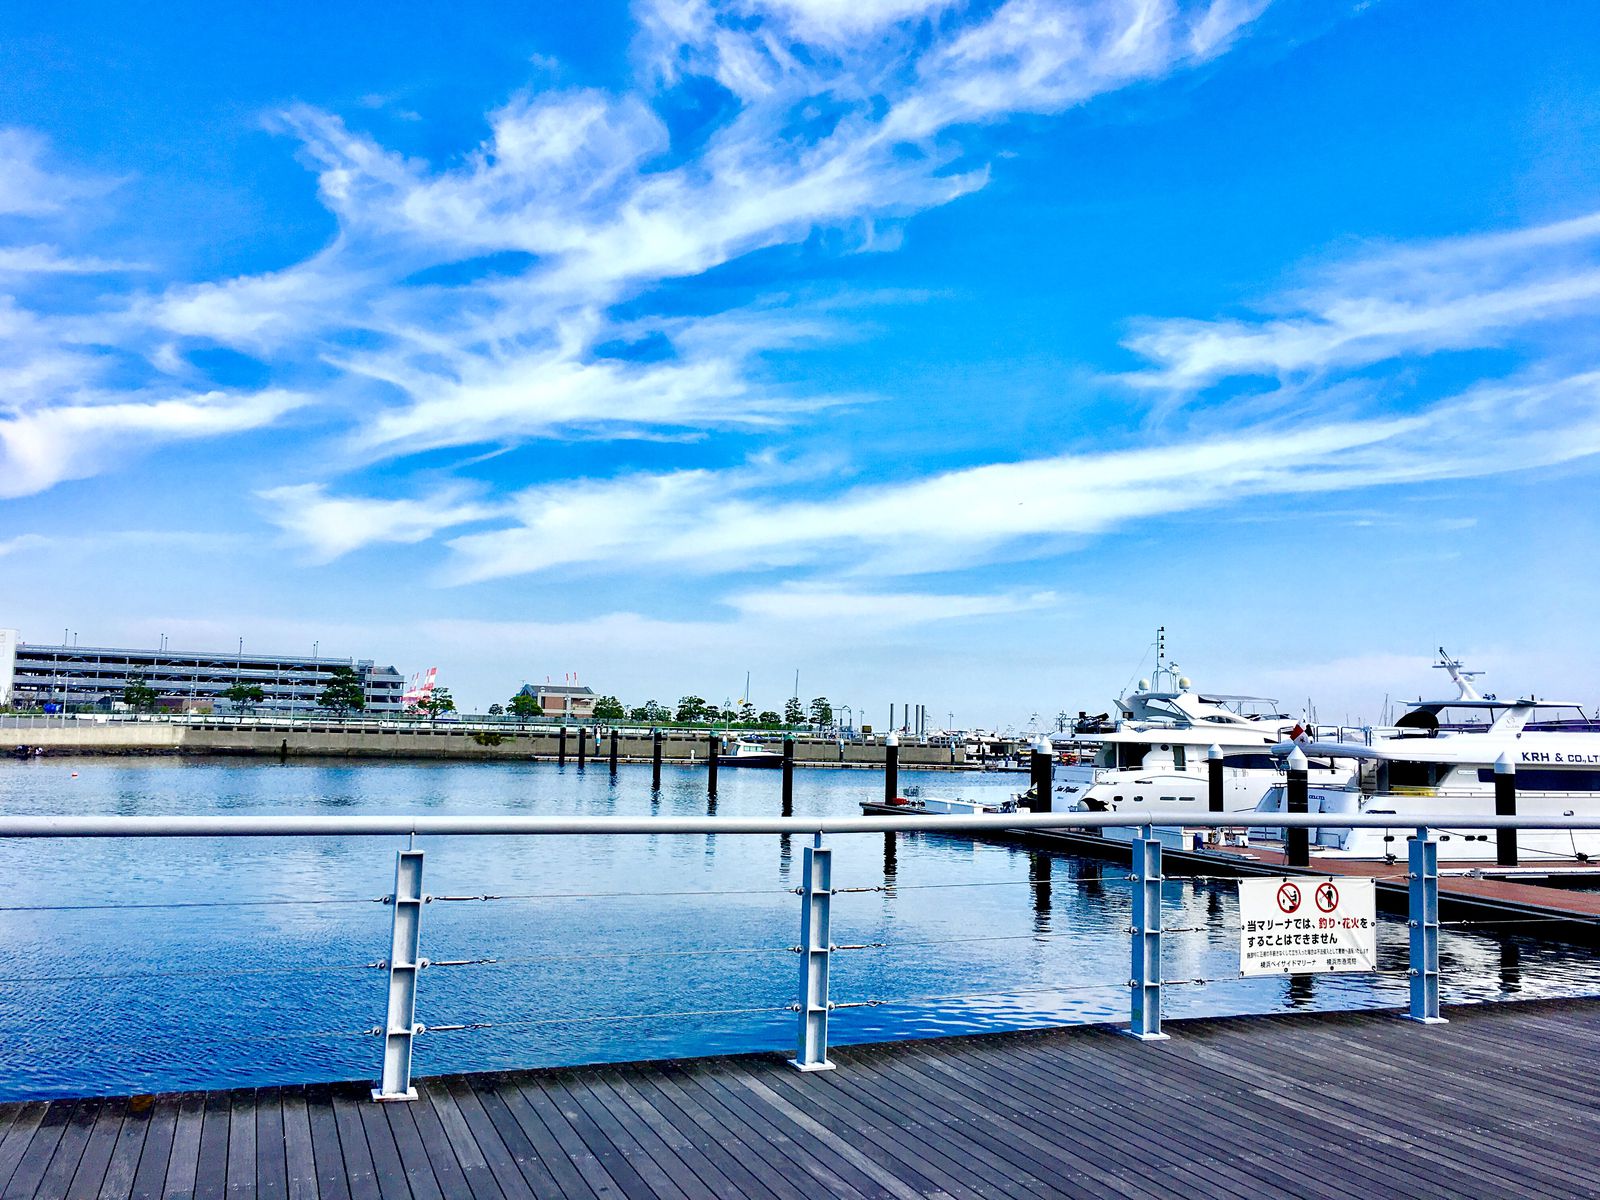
pixel 1154 752
pixel 1440 758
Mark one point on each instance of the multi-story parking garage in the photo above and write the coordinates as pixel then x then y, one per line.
pixel 95 676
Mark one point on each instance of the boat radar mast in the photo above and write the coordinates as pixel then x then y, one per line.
pixel 1461 678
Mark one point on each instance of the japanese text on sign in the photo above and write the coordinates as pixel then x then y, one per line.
pixel 1306 925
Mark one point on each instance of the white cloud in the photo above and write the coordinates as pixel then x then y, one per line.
pixel 712 522
pixel 23 541
pixel 331 526
pixel 574 181
pixel 48 260
pixel 475 301
pixel 26 187
pixel 830 604
pixel 1455 294
pixel 40 447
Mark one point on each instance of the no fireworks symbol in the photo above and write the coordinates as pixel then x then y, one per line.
pixel 1289 898
pixel 1327 897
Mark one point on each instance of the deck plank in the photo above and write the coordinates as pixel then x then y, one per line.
pixel 53 1161
pixel 1336 1106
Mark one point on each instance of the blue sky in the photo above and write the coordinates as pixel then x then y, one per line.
pixel 938 351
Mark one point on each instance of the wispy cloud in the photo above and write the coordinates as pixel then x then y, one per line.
pixel 330 526
pixel 713 522
pixel 582 189
pixel 1454 294
pixel 40 447
pixel 49 260
pixel 831 603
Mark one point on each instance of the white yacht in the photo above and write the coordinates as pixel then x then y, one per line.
pixel 1440 758
pixel 1154 753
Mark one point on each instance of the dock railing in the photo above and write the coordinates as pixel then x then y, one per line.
pixel 812 1004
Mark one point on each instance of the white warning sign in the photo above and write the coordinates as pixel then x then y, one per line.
pixel 1307 924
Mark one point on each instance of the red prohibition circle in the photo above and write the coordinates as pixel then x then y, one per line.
pixel 1327 897
pixel 1288 897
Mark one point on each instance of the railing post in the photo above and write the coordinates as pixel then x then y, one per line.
pixel 1145 1010
pixel 1424 860
pixel 816 898
pixel 405 942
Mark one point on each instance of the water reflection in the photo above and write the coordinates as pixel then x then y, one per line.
pixel 1511 966
pixel 1040 865
pixel 1302 991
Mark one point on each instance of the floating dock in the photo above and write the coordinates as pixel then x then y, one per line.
pixel 1343 1106
pixel 1469 892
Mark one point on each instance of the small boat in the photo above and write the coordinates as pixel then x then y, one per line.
pixel 746 753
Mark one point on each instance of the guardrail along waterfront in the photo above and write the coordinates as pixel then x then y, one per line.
pixel 811 998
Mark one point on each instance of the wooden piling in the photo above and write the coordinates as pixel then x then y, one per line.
pixel 1297 842
pixel 1505 805
pixel 788 776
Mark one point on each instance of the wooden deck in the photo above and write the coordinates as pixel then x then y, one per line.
pixel 1503 1101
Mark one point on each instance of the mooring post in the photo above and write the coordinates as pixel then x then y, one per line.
pixel 405 943
pixel 891 768
pixel 1505 805
pixel 816 897
pixel 1424 889
pixel 788 776
pixel 655 760
pixel 1297 842
pixel 561 751
pixel 1144 1020
pixel 1214 766
pixel 613 762
pixel 583 746
pixel 715 748
pixel 1044 775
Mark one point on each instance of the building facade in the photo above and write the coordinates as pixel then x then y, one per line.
pixel 93 677
pixel 563 699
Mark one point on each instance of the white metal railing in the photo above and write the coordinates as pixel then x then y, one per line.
pixel 812 1004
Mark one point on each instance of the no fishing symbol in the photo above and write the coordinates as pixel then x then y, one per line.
pixel 1327 897
pixel 1289 898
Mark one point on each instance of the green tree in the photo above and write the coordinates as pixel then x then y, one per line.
pixel 768 718
pixel 244 695
pixel 609 708
pixel 821 711
pixel 691 710
pixel 793 714
pixel 139 695
pixel 436 703
pixel 747 712
pixel 497 710
pixel 524 706
pixel 343 692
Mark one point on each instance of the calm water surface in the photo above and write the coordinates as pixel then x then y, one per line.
pixel 163 964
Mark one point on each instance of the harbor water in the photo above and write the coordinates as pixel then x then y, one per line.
pixel 162 964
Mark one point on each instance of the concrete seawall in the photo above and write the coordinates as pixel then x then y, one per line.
pixel 334 740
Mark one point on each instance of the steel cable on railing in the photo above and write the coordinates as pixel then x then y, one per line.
pixel 619 954
pixel 914 887
pixel 609 895
pixel 198 974
pixel 1023 991
pixel 521 1023
pixel 139 904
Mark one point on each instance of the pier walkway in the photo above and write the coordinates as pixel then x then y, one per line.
pixel 1502 1101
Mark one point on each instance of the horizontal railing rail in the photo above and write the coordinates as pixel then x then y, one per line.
pixel 404 963
pixel 273 825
